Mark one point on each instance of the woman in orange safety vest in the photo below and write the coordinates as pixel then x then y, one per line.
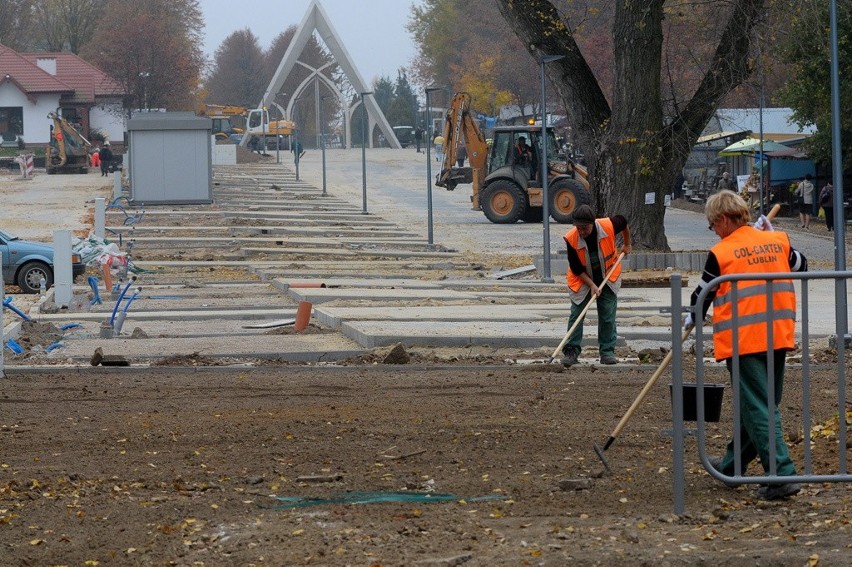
pixel 750 307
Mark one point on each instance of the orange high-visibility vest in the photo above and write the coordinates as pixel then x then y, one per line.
pixel 608 252
pixel 748 250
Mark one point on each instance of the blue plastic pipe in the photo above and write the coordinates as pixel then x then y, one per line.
pixel 120 298
pixel 7 303
pixel 93 283
pixel 132 297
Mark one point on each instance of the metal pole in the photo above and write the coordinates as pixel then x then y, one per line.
pixel 364 152
pixel 322 144
pixel 428 140
pixel 760 195
pixel 837 174
pixel 545 197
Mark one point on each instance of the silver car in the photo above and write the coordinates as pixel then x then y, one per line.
pixel 25 263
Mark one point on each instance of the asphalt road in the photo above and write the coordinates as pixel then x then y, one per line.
pixel 397 190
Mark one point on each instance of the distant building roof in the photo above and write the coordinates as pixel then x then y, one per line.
pixel 88 81
pixel 28 76
pixel 777 123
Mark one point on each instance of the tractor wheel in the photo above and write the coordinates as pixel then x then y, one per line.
pixel 565 196
pixel 503 202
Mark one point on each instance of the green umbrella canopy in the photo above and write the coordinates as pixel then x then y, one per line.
pixel 749 146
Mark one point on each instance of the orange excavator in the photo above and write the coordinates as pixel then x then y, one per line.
pixel 505 181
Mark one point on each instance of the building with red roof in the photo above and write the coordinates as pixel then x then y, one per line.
pixel 35 84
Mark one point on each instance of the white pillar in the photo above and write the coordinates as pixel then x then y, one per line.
pixel 116 187
pixel 62 273
pixel 100 216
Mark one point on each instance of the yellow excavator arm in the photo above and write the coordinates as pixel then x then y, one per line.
pixel 461 125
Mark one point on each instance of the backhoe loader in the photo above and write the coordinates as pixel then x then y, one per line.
pixel 68 150
pixel 506 184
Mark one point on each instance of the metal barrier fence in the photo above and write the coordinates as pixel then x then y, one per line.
pixel 679 431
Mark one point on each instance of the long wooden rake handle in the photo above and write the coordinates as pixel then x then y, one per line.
pixel 583 312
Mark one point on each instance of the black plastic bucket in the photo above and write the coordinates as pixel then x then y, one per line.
pixel 712 401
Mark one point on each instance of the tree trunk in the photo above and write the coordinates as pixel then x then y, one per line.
pixel 634 151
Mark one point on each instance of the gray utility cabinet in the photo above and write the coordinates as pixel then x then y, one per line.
pixel 170 158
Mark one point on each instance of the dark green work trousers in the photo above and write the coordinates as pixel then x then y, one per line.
pixel 607 305
pixel 754 416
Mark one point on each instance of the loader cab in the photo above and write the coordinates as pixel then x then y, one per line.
pixel 505 138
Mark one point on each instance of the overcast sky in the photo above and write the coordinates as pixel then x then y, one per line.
pixel 373 31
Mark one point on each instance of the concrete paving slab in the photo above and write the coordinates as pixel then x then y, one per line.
pixel 335 316
pixel 497 334
pixel 383 296
pixel 307 347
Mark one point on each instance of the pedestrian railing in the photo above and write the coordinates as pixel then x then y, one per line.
pixel 702 335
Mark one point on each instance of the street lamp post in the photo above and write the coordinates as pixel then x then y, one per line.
pixel 144 76
pixel 430 230
pixel 322 142
pixel 545 198
pixel 364 151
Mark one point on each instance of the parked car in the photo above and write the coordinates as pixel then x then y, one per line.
pixel 25 263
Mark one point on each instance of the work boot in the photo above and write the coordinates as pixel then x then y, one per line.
pixel 570 358
pixel 608 359
pixel 778 491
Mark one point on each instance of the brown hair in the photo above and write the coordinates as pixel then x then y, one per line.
pixel 726 203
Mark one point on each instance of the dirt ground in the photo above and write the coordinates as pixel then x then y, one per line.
pixel 450 459
pixel 491 465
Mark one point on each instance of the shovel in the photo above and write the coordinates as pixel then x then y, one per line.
pixel 583 312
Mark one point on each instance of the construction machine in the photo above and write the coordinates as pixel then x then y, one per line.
pixel 505 181
pixel 233 119
pixel 223 117
pixel 68 150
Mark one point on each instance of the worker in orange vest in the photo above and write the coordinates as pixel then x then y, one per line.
pixel 745 249
pixel 592 252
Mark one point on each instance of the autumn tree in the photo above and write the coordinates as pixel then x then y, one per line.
pixel 238 76
pixel 486 60
pixel 808 92
pixel 153 49
pixel 637 141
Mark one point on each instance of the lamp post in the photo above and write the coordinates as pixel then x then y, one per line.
pixel 364 152
pixel 545 197
pixel 430 229
pixel 841 316
pixel 144 76
pixel 322 141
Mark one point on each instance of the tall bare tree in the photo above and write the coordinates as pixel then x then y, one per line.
pixel 635 144
pixel 66 25
pixel 16 24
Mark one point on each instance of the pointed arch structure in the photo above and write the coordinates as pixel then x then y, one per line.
pixel 317 20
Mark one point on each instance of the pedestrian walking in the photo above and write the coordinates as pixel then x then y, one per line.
pixel 461 155
pixel 592 252
pixel 439 148
pixel 745 249
pixel 105 156
pixel 805 193
pixel 826 201
pixel 418 137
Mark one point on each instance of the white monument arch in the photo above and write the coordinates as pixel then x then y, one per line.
pixel 317 20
